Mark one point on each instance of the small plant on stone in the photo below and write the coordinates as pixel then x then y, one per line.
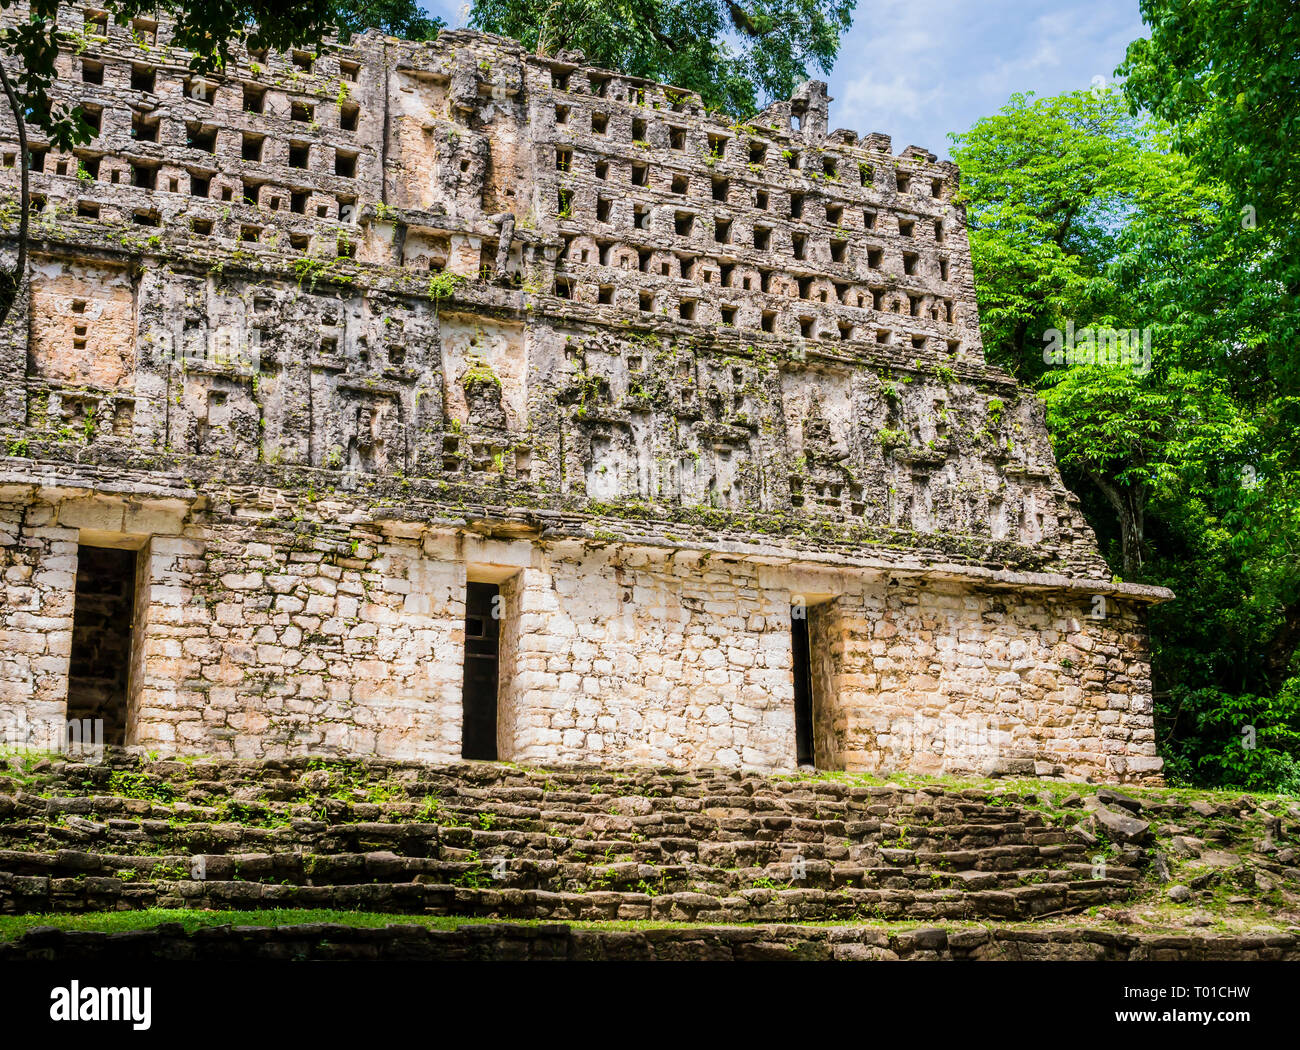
pixel 130 784
pixel 476 879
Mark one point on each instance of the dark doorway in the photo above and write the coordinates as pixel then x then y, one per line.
pixel 482 659
pixel 101 638
pixel 803 715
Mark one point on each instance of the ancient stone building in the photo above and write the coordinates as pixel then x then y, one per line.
pixel 442 400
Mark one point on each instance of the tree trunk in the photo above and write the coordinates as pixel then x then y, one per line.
pixel 8 295
pixel 1020 349
pixel 1282 646
pixel 1129 502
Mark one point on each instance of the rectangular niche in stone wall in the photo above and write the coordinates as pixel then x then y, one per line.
pixel 418 102
pixel 217 414
pixel 365 432
pixel 485 369
pixel 803 686
pixel 610 462
pixel 99 669
pixel 482 671
pixel 424 250
pixel 819 414
pixel 82 325
pixel 827 636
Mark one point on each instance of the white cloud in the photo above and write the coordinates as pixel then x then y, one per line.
pixel 918 71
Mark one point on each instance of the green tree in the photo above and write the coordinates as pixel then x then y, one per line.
pixel 737 55
pixel 400 18
pixel 1081 215
pixel 1225 75
pixel 1081 211
pixel 1132 436
pixel 1046 183
pixel 1056 189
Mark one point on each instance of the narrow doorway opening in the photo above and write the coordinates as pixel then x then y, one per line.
pixel 803 688
pixel 99 668
pixel 482 671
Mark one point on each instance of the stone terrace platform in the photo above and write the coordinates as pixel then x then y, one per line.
pixel 617 847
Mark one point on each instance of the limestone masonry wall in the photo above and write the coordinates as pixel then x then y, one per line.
pixel 330 336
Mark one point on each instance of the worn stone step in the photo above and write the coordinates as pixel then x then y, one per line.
pixel 124 834
pixel 750 905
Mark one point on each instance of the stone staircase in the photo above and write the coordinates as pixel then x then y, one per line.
pixel 494 840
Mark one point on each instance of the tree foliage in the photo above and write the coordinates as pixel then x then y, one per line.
pixel 1062 194
pixel 737 55
pixel 1225 75
pixel 399 18
pixel 1083 213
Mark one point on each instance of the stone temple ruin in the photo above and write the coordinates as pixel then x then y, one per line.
pixel 443 400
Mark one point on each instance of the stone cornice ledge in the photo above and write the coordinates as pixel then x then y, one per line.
pixel 764 554
pixel 86 494
pixel 22 486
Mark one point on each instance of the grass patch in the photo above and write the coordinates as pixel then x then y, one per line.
pixel 1158 920
pixel 14 926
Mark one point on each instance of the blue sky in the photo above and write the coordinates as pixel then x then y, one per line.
pixel 918 69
